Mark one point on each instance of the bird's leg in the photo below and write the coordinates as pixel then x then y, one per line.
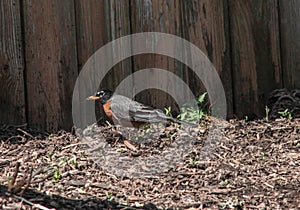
pixel 115 129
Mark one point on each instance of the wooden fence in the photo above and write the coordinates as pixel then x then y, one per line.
pixel 254 45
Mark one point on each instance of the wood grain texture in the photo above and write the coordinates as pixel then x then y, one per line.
pixel 156 16
pixel 205 24
pixel 12 93
pixel 90 30
pixel 90 19
pixel 290 42
pixel 117 24
pixel 255 54
pixel 254 46
pixel 51 62
pixel 98 23
pixel 201 22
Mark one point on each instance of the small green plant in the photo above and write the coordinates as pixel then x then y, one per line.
pixel 120 150
pixel 193 113
pixel 286 114
pixel 267 109
pixel 148 128
pixel 73 161
pixel 168 111
pixel 56 173
pixel 225 182
pixel 193 161
pixel 109 197
pixel 51 155
pixel 202 98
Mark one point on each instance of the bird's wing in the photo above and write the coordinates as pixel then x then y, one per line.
pixel 146 113
pixel 126 109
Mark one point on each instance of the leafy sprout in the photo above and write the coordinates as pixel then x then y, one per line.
pixel 109 197
pixel 168 111
pixel 286 114
pixel 56 174
pixel 193 113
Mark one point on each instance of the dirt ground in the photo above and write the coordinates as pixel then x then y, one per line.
pixel 249 165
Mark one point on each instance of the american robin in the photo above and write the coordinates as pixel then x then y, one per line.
pixel 127 112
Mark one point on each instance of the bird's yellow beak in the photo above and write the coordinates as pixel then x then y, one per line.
pixel 92 98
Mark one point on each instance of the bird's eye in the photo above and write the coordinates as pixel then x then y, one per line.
pixel 98 94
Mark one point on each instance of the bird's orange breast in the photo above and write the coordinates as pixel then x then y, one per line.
pixel 107 109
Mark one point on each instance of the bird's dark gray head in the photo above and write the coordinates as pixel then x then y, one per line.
pixel 102 96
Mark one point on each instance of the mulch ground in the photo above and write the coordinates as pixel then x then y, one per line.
pixel 249 165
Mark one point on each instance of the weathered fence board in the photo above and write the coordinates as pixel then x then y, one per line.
pixel 255 54
pixel 205 24
pixel 12 92
pixel 254 46
pixel 99 22
pixel 117 24
pixel 90 19
pixel 51 62
pixel 157 16
pixel 290 42
pixel 201 22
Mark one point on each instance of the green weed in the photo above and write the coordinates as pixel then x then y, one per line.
pixel 193 113
pixel 109 197
pixel 286 114
pixel 168 111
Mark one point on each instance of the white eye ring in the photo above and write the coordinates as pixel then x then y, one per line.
pixel 98 94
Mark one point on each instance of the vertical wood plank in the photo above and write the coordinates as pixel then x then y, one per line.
pixel 90 22
pixel 117 24
pixel 255 54
pixel 203 22
pixel 90 30
pixel 12 93
pixel 155 16
pixel 206 24
pixel 290 42
pixel 99 22
pixel 51 62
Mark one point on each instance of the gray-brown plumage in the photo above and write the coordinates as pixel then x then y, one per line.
pixel 125 111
